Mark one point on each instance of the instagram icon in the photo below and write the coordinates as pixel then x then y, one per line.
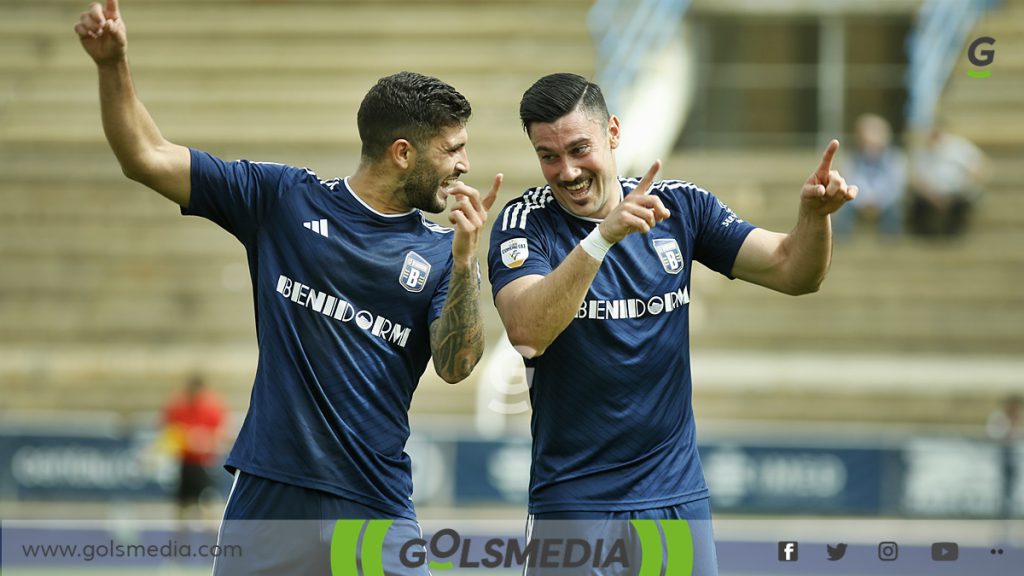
pixel 888 551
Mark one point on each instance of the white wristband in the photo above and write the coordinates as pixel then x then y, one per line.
pixel 595 244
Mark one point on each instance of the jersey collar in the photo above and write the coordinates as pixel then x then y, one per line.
pixel 375 213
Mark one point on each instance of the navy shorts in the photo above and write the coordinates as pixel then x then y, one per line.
pixel 273 528
pixel 608 542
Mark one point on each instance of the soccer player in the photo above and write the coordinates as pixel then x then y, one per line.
pixel 354 291
pixel 600 313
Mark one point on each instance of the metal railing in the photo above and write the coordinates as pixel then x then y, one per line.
pixel 625 34
pixel 933 46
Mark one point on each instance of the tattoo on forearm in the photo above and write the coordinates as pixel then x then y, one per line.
pixel 457 336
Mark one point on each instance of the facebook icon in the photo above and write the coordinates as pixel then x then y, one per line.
pixel 789 551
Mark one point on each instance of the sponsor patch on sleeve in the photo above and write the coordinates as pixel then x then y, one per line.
pixel 514 252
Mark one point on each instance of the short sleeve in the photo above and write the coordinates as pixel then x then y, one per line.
pixel 440 296
pixel 235 195
pixel 517 247
pixel 718 232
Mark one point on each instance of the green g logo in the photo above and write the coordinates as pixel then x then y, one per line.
pixel 981 58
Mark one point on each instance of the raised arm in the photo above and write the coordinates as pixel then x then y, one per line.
pixel 144 154
pixel 536 309
pixel 457 336
pixel 796 263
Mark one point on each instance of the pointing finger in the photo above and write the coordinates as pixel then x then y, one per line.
pixel 645 183
pixel 826 159
pixel 112 9
pixel 492 195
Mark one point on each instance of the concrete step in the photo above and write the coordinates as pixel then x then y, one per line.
pixel 821 324
pixel 131 378
pixel 246 88
pixel 105 275
pixel 119 315
pixel 126 377
pixel 308 122
pixel 76 5
pixel 35 164
pixel 60 209
pixel 776 209
pixel 784 173
pixel 174 237
pixel 202 275
pixel 354 19
pixel 837 386
pixel 729 385
pixel 999 90
pixel 766 190
pixel 334 54
pixel 60 204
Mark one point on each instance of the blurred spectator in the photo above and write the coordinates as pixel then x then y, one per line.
pixel 1006 426
pixel 946 177
pixel 193 422
pixel 879 170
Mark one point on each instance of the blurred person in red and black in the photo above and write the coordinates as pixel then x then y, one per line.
pixel 193 421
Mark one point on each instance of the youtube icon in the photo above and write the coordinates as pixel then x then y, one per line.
pixel 945 551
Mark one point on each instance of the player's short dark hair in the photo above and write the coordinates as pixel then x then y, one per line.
pixel 556 95
pixel 410 106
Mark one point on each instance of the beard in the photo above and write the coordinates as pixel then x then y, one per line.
pixel 421 189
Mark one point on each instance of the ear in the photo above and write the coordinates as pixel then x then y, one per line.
pixel 402 153
pixel 613 132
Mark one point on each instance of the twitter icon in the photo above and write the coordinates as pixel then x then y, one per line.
pixel 836 552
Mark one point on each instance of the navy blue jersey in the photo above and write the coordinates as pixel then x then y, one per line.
pixel 344 298
pixel 612 416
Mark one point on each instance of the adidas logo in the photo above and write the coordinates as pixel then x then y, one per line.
pixel 318 226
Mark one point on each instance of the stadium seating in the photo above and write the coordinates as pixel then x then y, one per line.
pixel 108 299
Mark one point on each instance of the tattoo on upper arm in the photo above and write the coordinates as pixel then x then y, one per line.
pixel 456 337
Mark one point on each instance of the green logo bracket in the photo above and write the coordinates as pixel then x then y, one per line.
pixel 670 548
pixel 358 540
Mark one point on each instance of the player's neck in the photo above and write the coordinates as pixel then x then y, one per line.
pixel 377 190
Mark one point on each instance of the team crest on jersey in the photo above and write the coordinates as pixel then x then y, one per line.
pixel 670 255
pixel 414 272
pixel 514 252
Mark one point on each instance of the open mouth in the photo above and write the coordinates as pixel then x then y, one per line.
pixel 448 183
pixel 578 190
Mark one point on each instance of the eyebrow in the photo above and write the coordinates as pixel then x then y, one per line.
pixel 571 145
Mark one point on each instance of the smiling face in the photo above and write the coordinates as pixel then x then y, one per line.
pixel 577 159
pixel 437 166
